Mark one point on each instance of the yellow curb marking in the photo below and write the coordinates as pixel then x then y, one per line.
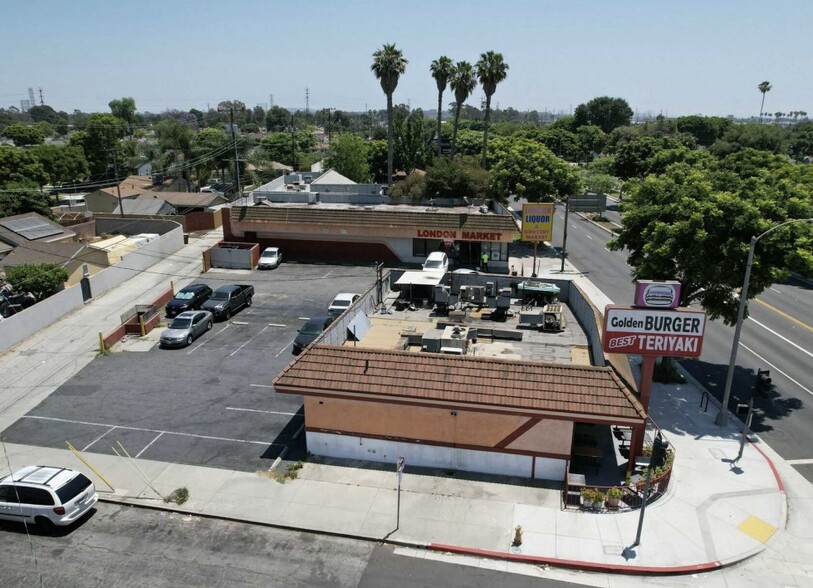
pixel 757 528
pixel 784 314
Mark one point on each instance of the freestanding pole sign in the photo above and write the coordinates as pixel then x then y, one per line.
pixel 537 224
pixel 399 468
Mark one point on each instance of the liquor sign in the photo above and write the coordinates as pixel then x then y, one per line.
pixel 537 222
pixel 654 294
pixel 649 331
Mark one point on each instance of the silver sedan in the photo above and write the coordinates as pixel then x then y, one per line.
pixel 186 327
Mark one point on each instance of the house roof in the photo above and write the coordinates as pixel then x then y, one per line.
pixel 127 191
pixel 379 216
pixel 185 199
pixel 30 227
pixel 470 382
pixel 331 176
pixel 146 206
pixel 34 252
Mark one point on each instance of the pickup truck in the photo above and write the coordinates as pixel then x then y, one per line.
pixel 227 300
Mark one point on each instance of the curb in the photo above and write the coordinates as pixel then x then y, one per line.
pixel 581 565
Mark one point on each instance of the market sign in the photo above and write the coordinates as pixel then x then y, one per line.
pixel 537 222
pixel 649 331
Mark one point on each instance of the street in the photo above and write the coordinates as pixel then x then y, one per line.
pixel 129 546
pixel 774 337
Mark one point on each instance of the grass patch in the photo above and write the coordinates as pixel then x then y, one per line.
pixel 178 496
pixel 291 472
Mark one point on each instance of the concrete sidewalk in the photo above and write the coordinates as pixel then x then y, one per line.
pixel 713 514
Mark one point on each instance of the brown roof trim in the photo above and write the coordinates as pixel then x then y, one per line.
pixel 531 388
pixel 519 432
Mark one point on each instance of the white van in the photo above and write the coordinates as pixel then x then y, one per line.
pixel 436 262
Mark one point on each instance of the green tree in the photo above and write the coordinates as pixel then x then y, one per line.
pixel 591 141
pixel 41 279
pixel 527 169
pixel 491 70
pixel 62 164
pixel 441 69
pixel 20 166
pixel 753 135
pixel 388 65
pixel 457 178
pixel 124 108
pixel 801 141
pixel 21 198
pixel 277 119
pixel 604 112
pixel 411 137
pixel 210 151
pixel 598 182
pixel 463 83
pixel 377 159
pixel 468 142
pixel 633 159
pixel 45 113
pixel 98 139
pixel 413 188
pixel 678 226
pixel 24 134
pixel 706 129
pixel 764 88
pixel 348 156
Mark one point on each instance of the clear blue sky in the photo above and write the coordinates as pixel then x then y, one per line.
pixel 679 57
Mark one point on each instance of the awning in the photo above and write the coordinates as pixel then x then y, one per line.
pixel 420 279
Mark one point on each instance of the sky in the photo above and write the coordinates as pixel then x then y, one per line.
pixel 671 57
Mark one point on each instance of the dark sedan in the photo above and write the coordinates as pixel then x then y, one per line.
pixel 190 298
pixel 310 331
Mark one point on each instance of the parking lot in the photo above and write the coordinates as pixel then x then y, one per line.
pixel 211 403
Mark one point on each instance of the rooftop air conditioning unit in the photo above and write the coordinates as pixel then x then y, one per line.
pixel 454 340
pixel 477 294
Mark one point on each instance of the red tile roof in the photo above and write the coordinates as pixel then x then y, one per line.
pixel 527 387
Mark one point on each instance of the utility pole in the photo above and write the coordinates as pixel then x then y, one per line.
pixel 236 160
pixel 118 182
pixel 293 144
pixel 307 101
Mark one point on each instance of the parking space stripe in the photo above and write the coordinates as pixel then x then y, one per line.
pixel 286 347
pixel 157 437
pixel 86 447
pixel 196 347
pixel 210 437
pixel 261 385
pixel 247 342
pixel 263 411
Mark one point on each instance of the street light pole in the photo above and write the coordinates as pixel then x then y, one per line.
pixel 722 416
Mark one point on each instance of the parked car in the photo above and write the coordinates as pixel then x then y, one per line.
pixel 190 298
pixel 227 300
pixel 187 327
pixel 46 496
pixel 436 262
pixel 341 303
pixel 270 258
pixel 312 328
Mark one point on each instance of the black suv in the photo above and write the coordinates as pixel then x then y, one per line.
pixel 190 298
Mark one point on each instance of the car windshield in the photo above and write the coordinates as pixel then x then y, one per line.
pixel 181 323
pixel 311 329
pixel 220 296
pixel 271 254
pixel 433 264
pixel 341 303
pixel 185 295
pixel 73 488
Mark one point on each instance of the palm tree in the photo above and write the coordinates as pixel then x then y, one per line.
pixel 764 87
pixel 491 70
pixel 388 65
pixel 441 70
pixel 463 83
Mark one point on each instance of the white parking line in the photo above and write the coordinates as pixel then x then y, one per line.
pixel 799 461
pixel 247 342
pixel 263 411
pixel 196 347
pixel 86 447
pixel 210 437
pixel 261 385
pixel 276 325
pixel 744 346
pixel 291 342
pixel 158 436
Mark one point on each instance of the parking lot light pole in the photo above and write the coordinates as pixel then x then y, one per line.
pixel 722 416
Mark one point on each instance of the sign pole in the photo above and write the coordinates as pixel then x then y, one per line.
pixel 399 467
pixel 564 235
pixel 643 506
pixel 533 271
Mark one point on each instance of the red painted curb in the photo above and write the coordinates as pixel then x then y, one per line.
pixel 581 565
pixel 772 466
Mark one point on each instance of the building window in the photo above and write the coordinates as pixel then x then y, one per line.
pixel 496 251
pixel 423 247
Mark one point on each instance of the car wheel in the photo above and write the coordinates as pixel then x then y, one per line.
pixel 45 524
pixel 227 314
pixel 209 326
pixel 189 340
pixel 248 301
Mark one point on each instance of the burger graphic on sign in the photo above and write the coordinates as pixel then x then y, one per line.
pixel 657 294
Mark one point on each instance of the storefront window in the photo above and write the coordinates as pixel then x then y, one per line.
pixel 423 247
pixel 496 251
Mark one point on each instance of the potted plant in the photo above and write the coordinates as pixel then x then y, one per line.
pixel 614 495
pixel 592 498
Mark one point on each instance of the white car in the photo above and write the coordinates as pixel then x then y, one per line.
pixel 46 496
pixel 270 258
pixel 436 262
pixel 341 303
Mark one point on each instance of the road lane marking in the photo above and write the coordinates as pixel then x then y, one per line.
pixel 785 339
pixel 776 368
pixel 775 290
pixel 157 437
pixel 799 461
pixel 588 236
pixel 86 447
pixel 784 314
pixel 263 411
pixel 210 437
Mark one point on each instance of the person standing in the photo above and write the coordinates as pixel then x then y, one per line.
pixel 484 261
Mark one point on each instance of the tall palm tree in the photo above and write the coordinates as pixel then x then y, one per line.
pixel 764 87
pixel 388 65
pixel 463 83
pixel 491 70
pixel 441 70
